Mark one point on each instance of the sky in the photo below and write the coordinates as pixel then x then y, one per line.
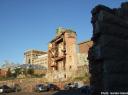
pixel 32 24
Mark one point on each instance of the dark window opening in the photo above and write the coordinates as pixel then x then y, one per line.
pixel 29 61
pixel 65 76
pixel 70 67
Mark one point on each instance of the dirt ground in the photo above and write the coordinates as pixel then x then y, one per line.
pixel 62 92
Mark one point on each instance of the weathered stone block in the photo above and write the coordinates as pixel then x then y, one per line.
pixel 115 66
pixel 116 82
pixel 110 29
pixel 112 19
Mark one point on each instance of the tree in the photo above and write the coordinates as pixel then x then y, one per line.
pixel 18 71
pixel 30 71
pixel 9 74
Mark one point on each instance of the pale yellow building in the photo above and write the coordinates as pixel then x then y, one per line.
pixel 36 57
pixel 41 60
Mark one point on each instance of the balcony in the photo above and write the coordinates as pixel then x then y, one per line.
pixel 60 58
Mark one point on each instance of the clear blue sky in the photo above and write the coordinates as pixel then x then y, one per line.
pixel 31 24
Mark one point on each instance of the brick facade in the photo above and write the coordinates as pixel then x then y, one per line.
pixel 84 46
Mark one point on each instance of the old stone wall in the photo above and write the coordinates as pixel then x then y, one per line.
pixel 108 57
pixel 26 84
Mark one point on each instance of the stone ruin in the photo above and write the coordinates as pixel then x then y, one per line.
pixel 108 57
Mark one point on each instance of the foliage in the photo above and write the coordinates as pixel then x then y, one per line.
pixel 17 71
pixel 6 78
pixel 30 71
pixel 9 72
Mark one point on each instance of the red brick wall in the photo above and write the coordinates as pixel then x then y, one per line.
pixel 84 46
pixel 3 73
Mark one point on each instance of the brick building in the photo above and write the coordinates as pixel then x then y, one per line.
pixel 63 60
pixel 3 72
pixel 62 55
pixel 82 55
pixel 84 46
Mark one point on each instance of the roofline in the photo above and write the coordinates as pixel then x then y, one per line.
pixel 67 30
pixel 84 42
pixel 28 50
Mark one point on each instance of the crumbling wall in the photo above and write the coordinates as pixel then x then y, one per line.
pixel 108 57
pixel 26 84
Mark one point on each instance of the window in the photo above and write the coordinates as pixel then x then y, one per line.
pixel 70 67
pixel 65 76
pixel 29 61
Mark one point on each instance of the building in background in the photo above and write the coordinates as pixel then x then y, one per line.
pixel 36 57
pixel 3 72
pixel 41 60
pixel 84 46
pixel 83 51
pixel 82 65
pixel 82 55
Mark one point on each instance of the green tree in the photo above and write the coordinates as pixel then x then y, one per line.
pixel 25 71
pixel 18 71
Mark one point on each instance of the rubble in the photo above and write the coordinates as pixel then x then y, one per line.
pixel 108 56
